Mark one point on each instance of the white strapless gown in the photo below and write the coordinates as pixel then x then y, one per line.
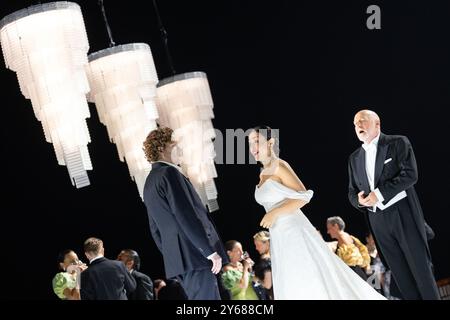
pixel 303 267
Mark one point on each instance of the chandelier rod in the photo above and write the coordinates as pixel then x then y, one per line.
pixel 105 19
pixel 164 38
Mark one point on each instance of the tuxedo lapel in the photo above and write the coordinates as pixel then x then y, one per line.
pixel 381 156
pixel 361 169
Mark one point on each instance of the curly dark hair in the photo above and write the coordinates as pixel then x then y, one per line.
pixel 156 142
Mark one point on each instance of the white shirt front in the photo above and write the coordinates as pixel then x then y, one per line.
pixel 93 259
pixel 371 156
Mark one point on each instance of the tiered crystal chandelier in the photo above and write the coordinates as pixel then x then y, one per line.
pixel 123 80
pixel 47 45
pixel 185 105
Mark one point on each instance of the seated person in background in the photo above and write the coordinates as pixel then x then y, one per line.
pixel 376 266
pixel 263 273
pixel 262 244
pixel 349 248
pixel 65 283
pixel 144 285
pixel 158 284
pixel 173 290
pixel 373 253
pixel 104 279
pixel 225 294
pixel 263 269
pixel 236 275
pixel 332 245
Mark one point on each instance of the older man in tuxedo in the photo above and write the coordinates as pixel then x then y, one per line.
pixel 382 175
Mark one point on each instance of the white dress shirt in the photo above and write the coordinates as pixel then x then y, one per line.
pixel 95 258
pixel 371 156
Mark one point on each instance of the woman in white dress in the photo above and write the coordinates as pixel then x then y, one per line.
pixel 303 267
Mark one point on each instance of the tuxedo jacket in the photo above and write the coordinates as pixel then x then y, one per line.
pixel 395 171
pixel 144 287
pixel 179 222
pixel 106 280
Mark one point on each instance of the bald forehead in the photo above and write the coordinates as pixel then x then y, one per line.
pixel 367 114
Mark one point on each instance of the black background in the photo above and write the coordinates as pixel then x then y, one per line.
pixel 302 67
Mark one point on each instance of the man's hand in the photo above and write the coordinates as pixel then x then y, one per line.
pixel 361 198
pixel 368 201
pixel 217 262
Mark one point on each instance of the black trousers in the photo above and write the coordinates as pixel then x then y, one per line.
pixel 200 285
pixel 399 240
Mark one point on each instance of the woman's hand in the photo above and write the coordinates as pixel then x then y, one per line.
pixel 268 220
pixel 76 268
pixel 247 264
pixel 82 267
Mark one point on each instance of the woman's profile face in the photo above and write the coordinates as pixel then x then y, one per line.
pixel 333 230
pixel 258 146
pixel 70 258
pixel 235 255
pixel 262 247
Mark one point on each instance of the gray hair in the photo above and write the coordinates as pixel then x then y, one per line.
pixel 337 220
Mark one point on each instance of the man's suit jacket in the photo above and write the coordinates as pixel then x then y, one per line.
pixel 144 287
pixel 106 280
pixel 395 171
pixel 179 222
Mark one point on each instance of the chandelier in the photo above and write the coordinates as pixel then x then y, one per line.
pixel 123 86
pixel 185 105
pixel 47 45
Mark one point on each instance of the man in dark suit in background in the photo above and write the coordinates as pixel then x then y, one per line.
pixel 382 175
pixel 104 279
pixel 144 285
pixel 180 223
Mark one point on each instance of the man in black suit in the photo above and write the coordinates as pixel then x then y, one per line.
pixel 180 223
pixel 382 175
pixel 144 285
pixel 104 279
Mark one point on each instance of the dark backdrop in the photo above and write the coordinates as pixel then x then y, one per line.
pixel 302 67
